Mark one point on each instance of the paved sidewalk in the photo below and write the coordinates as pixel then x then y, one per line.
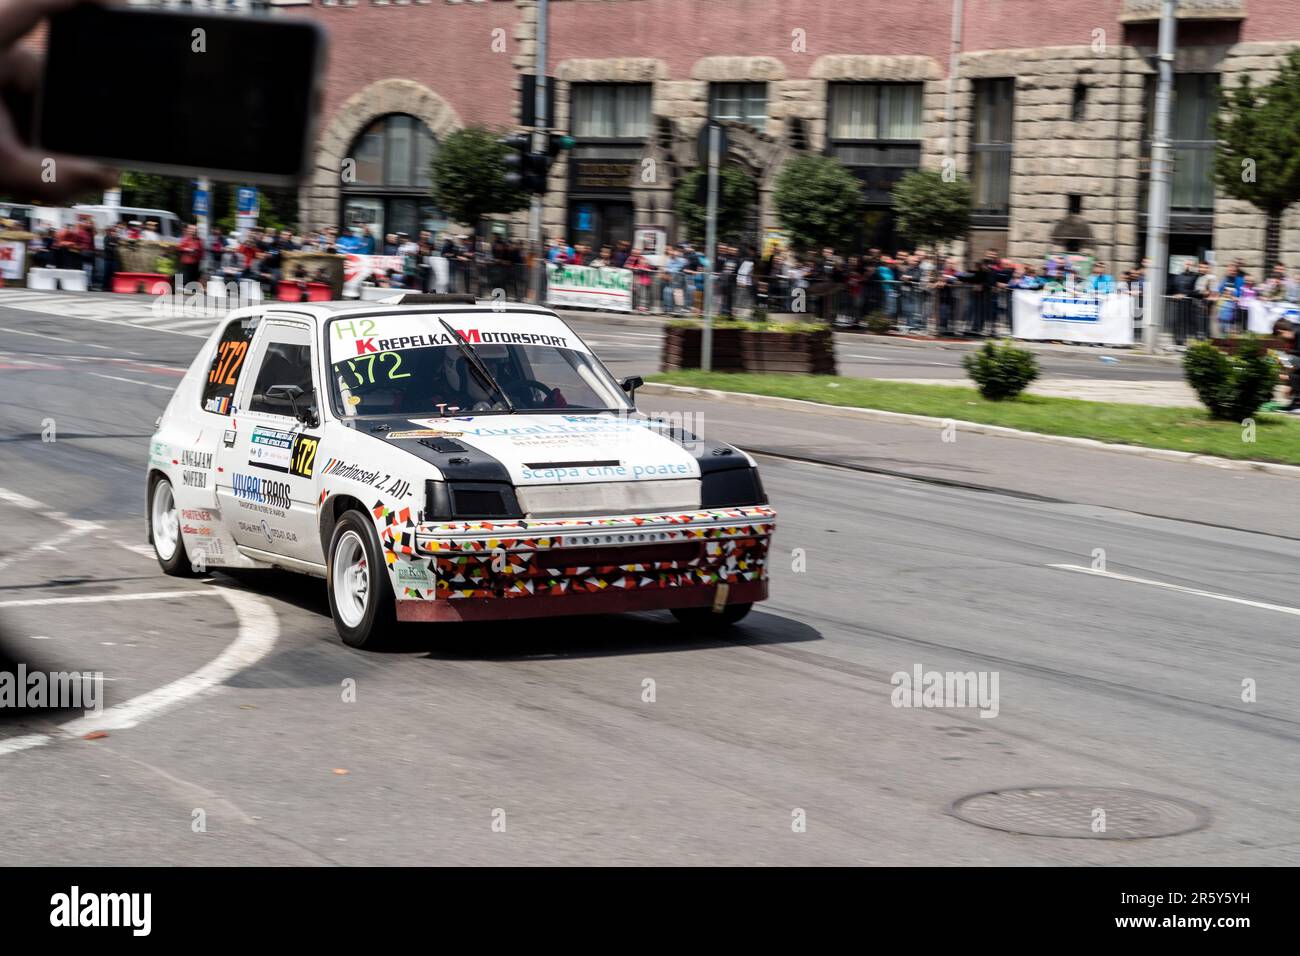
pixel 1164 394
pixel 1182 490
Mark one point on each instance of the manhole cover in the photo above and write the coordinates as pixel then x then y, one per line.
pixel 1094 813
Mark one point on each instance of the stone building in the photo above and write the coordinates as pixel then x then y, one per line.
pixel 1046 110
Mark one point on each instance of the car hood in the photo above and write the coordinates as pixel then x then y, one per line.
pixel 547 449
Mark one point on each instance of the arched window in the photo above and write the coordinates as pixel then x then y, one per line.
pixel 388 189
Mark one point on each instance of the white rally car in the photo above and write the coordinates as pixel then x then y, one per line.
pixel 435 459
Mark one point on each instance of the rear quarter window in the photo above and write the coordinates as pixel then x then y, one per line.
pixel 228 362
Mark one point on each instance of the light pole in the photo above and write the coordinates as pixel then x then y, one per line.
pixel 1161 173
pixel 540 145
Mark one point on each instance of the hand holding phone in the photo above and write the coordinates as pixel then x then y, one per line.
pixel 25 172
pixel 182 92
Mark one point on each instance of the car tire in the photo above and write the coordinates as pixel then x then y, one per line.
pixel 165 531
pixel 361 596
pixel 704 618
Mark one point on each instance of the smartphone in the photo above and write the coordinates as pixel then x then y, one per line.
pixel 186 94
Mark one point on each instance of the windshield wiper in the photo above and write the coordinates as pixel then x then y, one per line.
pixel 476 363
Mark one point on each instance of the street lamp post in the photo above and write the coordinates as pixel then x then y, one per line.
pixel 1161 173
pixel 540 145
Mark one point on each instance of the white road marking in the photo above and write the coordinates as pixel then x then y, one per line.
pixel 109 598
pixel 58 338
pixel 132 381
pixel 27 504
pixel 1281 608
pixel 25 742
pixel 51 545
pixel 258 630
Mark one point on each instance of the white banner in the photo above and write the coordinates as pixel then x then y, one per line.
pixel 1260 315
pixel 1066 317
pixel 13 258
pixel 589 288
pixel 357 269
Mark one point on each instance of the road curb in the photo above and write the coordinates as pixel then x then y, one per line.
pixel 1001 431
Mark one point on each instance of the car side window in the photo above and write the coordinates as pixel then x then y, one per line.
pixel 228 363
pixel 286 361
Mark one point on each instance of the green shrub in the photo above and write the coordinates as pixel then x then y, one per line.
pixel 1231 387
pixel 879 324
pixel 1001 370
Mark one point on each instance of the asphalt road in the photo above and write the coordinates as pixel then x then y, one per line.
pixel 1104 681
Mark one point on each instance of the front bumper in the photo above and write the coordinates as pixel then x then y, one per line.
pixel 552 566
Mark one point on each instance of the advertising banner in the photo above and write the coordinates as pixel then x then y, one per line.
pixel 13 257
pixel 358 269
pixel 1065 317
pixel 585 287
pixel 1261 314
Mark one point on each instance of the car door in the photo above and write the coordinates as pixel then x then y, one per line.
pixel 269 463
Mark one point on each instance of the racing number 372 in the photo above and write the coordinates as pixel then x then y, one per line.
pixel 230 355
pixel 304 454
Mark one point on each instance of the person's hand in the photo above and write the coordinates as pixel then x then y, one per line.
pixel 23 170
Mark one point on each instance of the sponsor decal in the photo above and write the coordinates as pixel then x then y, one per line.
pixel 424 433
pixel 422 340
pixel 635 472
pixel 209 548
pixel 386 482
pixel 267 531
pixel 219 406
pixel 262 491
pixel 196 459
pixel 197 514
pixel 195 530
pixel 413 575
pixel 159 453
pixel 271 448
pixel 304 455
pixel 194 479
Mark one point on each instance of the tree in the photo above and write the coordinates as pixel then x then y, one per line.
pixel 469 181
pixel 1258 153
pixel 469 177
pixel 930 209
pixel 736 197
pixel 817 202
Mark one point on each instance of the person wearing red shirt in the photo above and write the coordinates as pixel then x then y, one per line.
pixel 190 254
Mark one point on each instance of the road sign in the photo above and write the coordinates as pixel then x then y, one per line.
pixel 200 202
pixel 702 143
pixel 246 201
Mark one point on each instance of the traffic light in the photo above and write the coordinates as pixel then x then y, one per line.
pixel 557 143
pixel 528 170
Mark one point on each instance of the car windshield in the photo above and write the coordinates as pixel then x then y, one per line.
pixel 409 364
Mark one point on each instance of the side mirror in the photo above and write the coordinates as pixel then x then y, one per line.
pixel 631 384
pixel 290 395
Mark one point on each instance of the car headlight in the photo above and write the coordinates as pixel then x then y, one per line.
pixel 454 500
pixel 735 487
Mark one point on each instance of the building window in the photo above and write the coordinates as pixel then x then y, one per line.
pixel 875 130
pixel 991 139
pixel 742 102
pixel 875 111
pixel 393 176
pixel 1195 103
pixel 610 110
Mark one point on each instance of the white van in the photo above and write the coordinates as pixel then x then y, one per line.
pixel 169 225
